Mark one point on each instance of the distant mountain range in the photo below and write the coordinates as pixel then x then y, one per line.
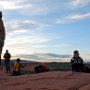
pixel 22 61
pixel 33 62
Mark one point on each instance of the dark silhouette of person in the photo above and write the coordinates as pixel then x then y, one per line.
pixel 2 35
pixel 17 68
pixel 7 57
pixel 77 62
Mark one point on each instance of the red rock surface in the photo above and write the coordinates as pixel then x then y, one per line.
pixel 46 81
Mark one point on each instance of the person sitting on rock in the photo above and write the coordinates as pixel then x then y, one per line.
pixel 77 62
pixel 17 68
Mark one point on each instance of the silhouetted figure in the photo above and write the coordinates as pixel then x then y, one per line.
pixel 77 62
pixel 17 67
pixel 2 35
pixel 7 57
pixel 41 68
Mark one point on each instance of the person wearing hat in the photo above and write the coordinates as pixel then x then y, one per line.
pixel 2 35
pixel 77 62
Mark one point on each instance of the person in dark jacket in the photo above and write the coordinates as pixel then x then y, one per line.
pixel 2 35
pixel 77 62
pixel 7 57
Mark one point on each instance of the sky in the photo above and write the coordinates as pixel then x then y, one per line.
pixel 46 30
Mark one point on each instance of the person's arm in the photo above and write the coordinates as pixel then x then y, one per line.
pixel 21 65
pixel 9 55
pixel 82 61
pixel 4 56
pixel 72 61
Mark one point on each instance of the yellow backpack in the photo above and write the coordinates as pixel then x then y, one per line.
pixel 16 66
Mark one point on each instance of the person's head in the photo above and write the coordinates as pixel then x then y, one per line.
pixel 7 51
pixel 76 53
pixel 1 14
pixel 18 60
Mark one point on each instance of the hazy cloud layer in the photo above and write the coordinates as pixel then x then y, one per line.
pixel 47 57
pixel 37 26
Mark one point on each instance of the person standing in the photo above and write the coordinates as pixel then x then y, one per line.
pixel 7 57
pixel 2 35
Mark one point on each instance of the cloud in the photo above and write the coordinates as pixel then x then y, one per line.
pixel 55 56
pixel 25 25
pixel 36 25
pixel 10 5
pixel 50 46
pixel 49 56
pixel 20 43
pixel 73 18
pixel 78 3
pixel 31 28
pixel 28 42
pixel 31 7
pixel 23 37
pixel 79 16
pixel 22 40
